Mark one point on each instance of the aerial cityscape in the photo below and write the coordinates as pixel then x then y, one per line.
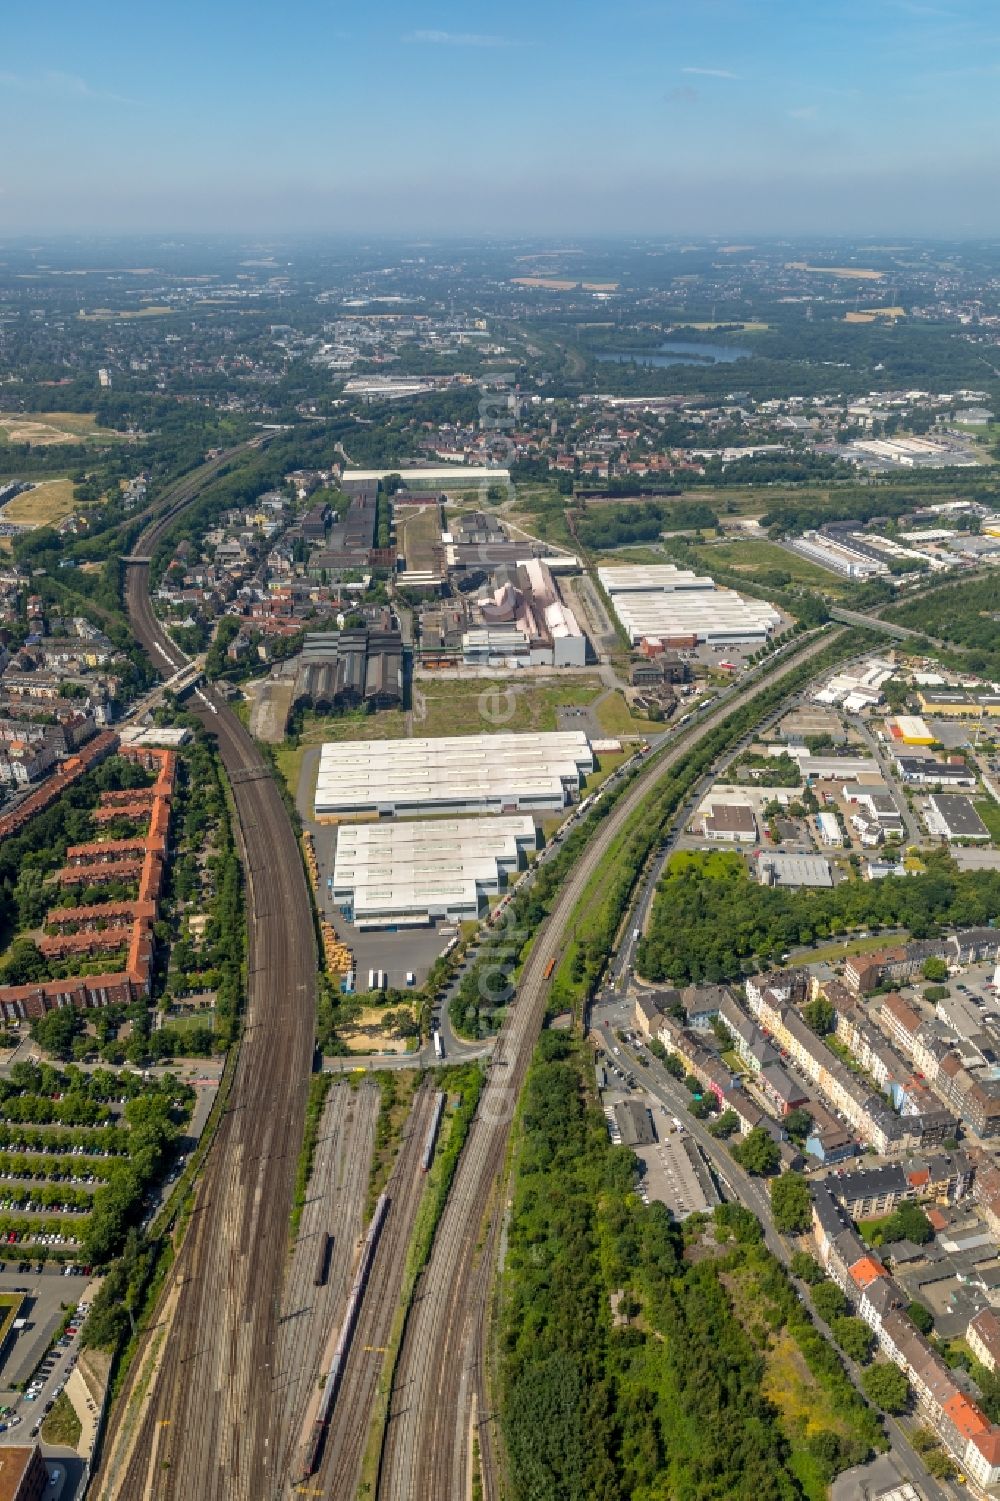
pixel 500 755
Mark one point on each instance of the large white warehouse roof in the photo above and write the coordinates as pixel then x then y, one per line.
pixel 436 867
pixel 632 577
pixel 663 601
pixel 454 774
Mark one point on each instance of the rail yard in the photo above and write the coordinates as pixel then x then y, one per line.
pixel 206 1422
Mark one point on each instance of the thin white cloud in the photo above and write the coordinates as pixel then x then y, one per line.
pixel 456 39
pixel 711 72
pixel 804 112
pixel 54 84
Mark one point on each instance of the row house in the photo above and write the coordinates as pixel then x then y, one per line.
pixel 864 1041
pixel 872 1192
pixel 64 776
pixel 829 1140
pixel 747 1111
pixel 983 1338
pixel 973 1096
pixel 957 1421
pixel 781 1089
pixel 864 973
pixel 743 1031
pixel 703 1064
pixel 866 1111
pixel 986 1191
pixel 135 938
pixel 791 985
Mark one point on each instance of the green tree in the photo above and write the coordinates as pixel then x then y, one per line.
pixel 908 1222
pixel 854 1337
pixel 798 1124
pixel 56 1030
pixel 887 1387
pixel 828 1301
pixel 806 1268
pixel 727 1123
pixel 820 1016
pixel 757 1153
pixel 935 969
pixel 791 1203
pixel 921 1316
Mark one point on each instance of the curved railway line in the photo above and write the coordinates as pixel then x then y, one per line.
pixel 426 1451
pixel 203 1414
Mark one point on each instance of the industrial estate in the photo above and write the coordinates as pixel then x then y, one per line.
pixel 499 874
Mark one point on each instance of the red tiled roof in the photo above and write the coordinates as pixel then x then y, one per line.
pixel 965 1415
pixel 988 1444
pixel 867 1270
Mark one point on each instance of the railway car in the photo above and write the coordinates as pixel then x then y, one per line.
pixel 313 1446
pixel 432 1131
pixel 323 1259
pixel 547 974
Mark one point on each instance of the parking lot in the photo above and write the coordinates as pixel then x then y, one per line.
pixel 47 1293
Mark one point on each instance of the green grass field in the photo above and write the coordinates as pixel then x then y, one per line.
pixel 835 953
pixel 10 1307
pixel 61 1425
pixel 753 557
pixel 477 706
pixel 615 718
pixel 107 314
pixel 43 429
pixel 989 812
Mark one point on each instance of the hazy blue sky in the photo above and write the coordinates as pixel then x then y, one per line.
pixel 679 116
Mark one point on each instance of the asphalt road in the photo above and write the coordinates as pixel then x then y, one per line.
pixel 752 1194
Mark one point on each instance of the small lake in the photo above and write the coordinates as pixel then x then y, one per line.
pixel 679 352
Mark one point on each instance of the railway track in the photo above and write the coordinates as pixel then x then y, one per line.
pixel 426 1451
pixel 335 1204
pixel 186 489
pixel 340 1470
pixel 204 1421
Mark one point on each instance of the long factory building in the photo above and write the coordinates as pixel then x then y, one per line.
pixel 661 602
pixel 459 774
pixel 409 874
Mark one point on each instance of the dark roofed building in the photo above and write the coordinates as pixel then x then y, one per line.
pixel 732 823
pixel 635 1124
pixel 351 668
pixel 870 1191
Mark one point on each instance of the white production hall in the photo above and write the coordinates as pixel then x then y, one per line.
pixel 458 774
pixel 660 601
pixel 402 874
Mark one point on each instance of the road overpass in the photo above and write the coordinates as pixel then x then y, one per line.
pixel 876 623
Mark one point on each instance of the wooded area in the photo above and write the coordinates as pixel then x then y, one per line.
pixel 634 1355
pixel 711 922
